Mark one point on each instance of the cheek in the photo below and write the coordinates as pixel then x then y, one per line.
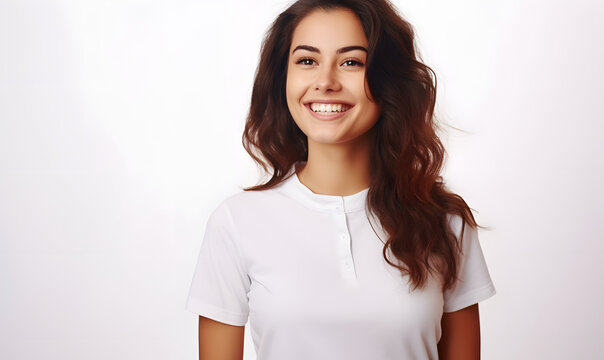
pixel 290 91
pixel 288 84
pixel 372 112
pixel 293 86
pixel 293 92
pixel 372 107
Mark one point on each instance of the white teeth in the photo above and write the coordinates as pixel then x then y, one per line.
pixel 329 108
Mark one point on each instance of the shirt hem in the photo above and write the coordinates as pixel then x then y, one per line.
pixel 471 298
pixel 216 313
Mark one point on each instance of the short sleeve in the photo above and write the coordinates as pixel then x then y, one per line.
pixel 474 282
pixel 220 285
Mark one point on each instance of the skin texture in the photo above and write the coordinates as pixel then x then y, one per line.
pixel 338 150
pixel 219 341
pixel 460 339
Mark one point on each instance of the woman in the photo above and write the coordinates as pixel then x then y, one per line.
pixel 354 247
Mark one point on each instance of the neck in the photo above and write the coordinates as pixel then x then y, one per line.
pixel 337 169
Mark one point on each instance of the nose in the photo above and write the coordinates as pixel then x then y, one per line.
pixel 327 80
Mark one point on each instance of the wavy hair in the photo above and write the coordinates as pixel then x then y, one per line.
pixel 406 193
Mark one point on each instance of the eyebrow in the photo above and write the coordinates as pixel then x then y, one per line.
pixel 339 51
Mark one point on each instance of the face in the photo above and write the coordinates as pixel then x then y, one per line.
pixel 327 93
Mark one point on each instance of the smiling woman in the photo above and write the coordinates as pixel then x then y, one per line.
pixel 354 248
pixel 325 73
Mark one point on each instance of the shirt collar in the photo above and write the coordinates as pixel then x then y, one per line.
pixel 293 188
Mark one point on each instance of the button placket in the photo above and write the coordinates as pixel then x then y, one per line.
pixel 345 248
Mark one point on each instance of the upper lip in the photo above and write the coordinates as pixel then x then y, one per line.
pixel 331 101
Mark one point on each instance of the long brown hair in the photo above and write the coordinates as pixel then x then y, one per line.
pixel 407 193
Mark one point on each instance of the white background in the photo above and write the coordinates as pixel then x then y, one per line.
pixel 120 130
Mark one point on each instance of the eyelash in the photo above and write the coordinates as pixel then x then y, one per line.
pixel 358 63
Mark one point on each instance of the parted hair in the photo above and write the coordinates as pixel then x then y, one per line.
pixel 407 193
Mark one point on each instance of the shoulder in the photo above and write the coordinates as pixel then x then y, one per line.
pixel 247 204
pixel 456 224
pixel 465 234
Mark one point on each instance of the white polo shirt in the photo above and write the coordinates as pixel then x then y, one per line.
pixel 308 271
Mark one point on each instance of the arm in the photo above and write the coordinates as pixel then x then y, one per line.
pixel 460 335
pixel 220 341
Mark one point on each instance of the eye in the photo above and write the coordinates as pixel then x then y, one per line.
pixel 305 61
pixel 352 62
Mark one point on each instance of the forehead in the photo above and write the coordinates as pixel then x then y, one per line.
pixel 329 30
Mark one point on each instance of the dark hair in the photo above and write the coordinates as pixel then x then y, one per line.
pixel 406 193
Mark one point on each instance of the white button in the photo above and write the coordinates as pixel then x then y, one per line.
pixel 343 236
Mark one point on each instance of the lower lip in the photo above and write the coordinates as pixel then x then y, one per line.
pixel 327 117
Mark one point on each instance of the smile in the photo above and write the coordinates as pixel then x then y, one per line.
pixel 325 112
pixel 329 108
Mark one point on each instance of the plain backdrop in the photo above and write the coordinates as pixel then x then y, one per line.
pixel 120 131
